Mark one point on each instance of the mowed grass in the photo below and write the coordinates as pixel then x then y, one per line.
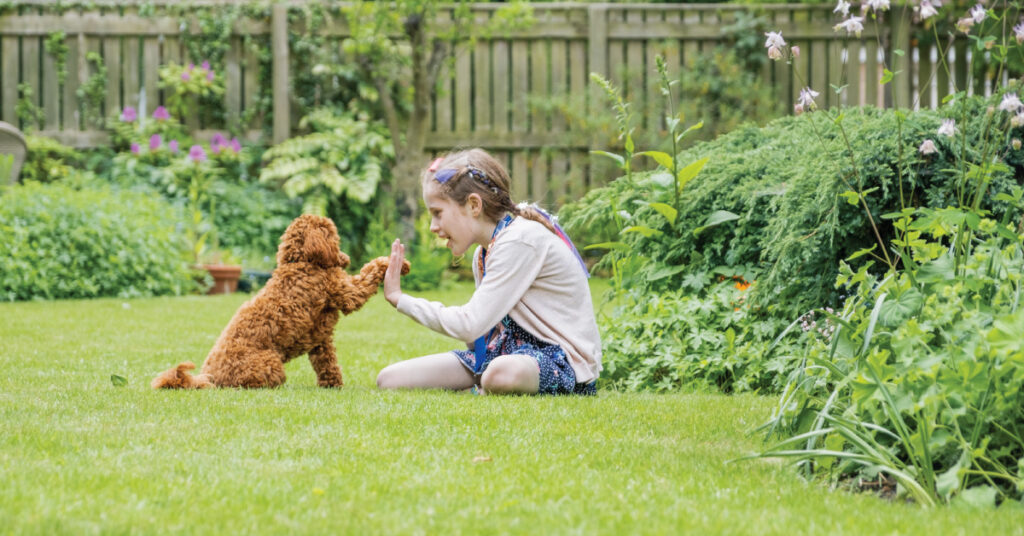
pixel 81 456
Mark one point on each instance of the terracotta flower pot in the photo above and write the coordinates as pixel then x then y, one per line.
pixel 225 277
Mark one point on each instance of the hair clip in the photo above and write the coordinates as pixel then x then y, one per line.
pixel 445 175
pixel 434 164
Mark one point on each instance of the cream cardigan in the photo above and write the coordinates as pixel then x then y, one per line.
pixel 533 277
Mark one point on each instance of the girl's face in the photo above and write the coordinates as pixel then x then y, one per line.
pixel 461 225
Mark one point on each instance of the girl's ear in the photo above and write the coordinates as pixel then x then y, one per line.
pixel 476 204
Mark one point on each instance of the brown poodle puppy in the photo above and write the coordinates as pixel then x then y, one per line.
pixel 294 314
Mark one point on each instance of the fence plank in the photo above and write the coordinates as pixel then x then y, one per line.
pixel 31 49
pixel 233 82
pixel 872 90
pixel 51 93
pixel 463 92
pixel 112 61
pixel 483 90
pixel 501 91
pixel 925 74
pixel 9 78
pixel 559 83
pixel 539 85
pixel 520 85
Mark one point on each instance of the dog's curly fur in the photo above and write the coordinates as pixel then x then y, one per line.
pixel 294 314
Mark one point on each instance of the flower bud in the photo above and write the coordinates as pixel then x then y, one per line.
pixel 1016 144
pixel 795 50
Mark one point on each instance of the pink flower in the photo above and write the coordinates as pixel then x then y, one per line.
pixel 206 65
pixel 129 114
pixel 185 76
pixel 927 147
pixel 978 13
pixel 774 44
pixel 197 154
pixel 161 114
pixel 217 143
pixel 209 76
pixel 1018 32
pixel 173 146
pixel 154 142
pixel 1011 103
pixel 948 128
pixel 852 25
pixel 806 98
pixel 135 148
pixel 235 145
pixel 795 51
pixel 926 10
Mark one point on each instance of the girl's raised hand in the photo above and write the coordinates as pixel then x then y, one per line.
pixel 393 276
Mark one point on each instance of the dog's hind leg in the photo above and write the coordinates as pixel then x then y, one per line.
pixel 325 364
pixel 259 369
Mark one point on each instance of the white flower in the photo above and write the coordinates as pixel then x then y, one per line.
pixel 948 128
pixel 964 24
pixel 1017 120
pixel 775 53
pixel 1018 32
pixel 843 8
pixel 926 10
pixel 1016 144
pixel 928 147
pixel 774 40
pixel 978 13
pixel 878 5
pixel 852 25
pixel 1011 103
pixel 806 98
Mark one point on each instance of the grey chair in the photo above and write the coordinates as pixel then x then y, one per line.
pixel 12 142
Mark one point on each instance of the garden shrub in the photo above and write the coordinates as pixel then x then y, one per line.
pixel 786 183
pixel 922 376
pixel 86 240
pixel 771 207
pixel 48 160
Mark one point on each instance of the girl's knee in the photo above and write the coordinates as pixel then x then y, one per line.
pixel 511 375
pixel 389 378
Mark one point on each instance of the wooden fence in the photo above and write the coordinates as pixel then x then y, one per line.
pixel 492 97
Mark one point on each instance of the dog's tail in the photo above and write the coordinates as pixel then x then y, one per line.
pixel 179 378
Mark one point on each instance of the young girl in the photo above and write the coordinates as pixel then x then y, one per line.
pixel 530 323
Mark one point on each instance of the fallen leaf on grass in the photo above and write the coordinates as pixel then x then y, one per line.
pixel 118 381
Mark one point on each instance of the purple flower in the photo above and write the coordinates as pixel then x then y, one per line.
pixel 206 65
pixel 173 146
pixel 129 114
pixel 161 113
pixel 197 154
pixel 218 143
pixel 235 145
pixel 185 76
pixel 136 148
pixel 209 76
pixel 154 142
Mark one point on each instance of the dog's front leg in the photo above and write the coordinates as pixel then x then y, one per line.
pixel 356 290
pixel 325 364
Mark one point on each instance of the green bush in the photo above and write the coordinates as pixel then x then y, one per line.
pixel 781 189
pixel 86 241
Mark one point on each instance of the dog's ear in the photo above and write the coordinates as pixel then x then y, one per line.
pixel 320 246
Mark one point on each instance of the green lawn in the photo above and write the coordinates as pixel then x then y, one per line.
pixel 80 456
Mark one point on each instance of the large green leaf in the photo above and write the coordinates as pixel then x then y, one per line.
pixel 717 217
pixel 895 312
pixel 689 172
pixel 666 210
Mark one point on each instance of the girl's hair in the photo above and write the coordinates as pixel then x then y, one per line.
pixel 474 171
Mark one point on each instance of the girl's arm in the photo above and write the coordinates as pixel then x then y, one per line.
pixel 512 268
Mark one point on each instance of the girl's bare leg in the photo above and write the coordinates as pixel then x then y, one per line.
pixel 437 371
pixel 511 375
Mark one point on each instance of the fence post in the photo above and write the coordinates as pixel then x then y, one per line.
pixel 899 40
pixel 597 49
pixel 279 45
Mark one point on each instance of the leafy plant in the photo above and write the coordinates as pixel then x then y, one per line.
pixel 81 239
pixel 344 156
